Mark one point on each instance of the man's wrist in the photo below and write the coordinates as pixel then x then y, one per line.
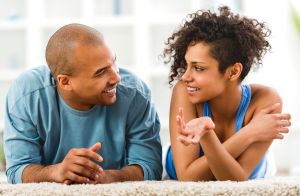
pixel 127 173
pixel 53 171
pixel 107 176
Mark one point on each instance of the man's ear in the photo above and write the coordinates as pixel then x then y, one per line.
pixel 234 71
pixel 64 82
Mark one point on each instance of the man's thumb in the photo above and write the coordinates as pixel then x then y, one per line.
pixel 95 147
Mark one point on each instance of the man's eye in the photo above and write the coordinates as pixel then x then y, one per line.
pixel 99 73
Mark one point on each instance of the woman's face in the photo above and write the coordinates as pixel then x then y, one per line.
pixel 202 77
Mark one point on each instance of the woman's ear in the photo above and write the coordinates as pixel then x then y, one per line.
pixel 234 71
pixel 64 82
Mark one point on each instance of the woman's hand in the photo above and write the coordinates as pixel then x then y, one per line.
pixel 191 132
pixel 267 125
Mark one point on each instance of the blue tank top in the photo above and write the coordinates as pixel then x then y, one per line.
pixel 260 169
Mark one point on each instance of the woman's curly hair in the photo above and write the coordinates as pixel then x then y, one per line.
pixel 231 38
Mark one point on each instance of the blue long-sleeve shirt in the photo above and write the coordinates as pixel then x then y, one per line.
pixel 41 128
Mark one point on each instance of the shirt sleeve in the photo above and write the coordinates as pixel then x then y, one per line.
pixel 21 140
pixel 143 140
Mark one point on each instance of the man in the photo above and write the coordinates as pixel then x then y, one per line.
pixel 80 120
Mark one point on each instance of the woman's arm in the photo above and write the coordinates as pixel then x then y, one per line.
pixel 222 164
pixel 250 158
pixel 240 169
pixel 186 158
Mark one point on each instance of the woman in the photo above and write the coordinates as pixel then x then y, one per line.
pixel 219 128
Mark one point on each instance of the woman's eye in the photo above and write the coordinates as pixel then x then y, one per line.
pixel 199 69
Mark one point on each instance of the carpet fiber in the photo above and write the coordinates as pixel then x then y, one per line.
pixel 276 186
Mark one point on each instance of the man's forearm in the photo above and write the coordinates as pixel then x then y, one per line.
pixel 38 173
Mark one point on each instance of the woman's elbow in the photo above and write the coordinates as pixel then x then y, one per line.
pixel 240 179
pixel 188 179
pixel 182 176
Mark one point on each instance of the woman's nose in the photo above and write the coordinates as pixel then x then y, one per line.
pixel 186 77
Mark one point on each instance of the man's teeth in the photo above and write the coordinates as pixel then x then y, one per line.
pixel 110 90
pixel 192 89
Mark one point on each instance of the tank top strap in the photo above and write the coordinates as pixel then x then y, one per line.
pixel 206 110
pixel 243 107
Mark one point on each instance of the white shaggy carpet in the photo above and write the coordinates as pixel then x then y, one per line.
pixel 276 186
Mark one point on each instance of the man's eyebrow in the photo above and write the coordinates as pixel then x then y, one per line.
pixel 100 70
pixel 103 68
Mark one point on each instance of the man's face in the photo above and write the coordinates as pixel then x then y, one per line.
pixel 96 77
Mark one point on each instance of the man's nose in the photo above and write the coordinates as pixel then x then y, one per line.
pixel 115 77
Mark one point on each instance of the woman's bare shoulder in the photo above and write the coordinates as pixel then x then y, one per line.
pixel 263 96
pixel 179 92
pixel 179 87
pixel 261 93
pixel 180 98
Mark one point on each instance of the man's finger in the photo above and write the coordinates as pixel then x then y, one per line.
pixel 96 147
pixel 68 182
pixel 84 152
pixel 83 161
pixel 85 172
pixel 77 178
